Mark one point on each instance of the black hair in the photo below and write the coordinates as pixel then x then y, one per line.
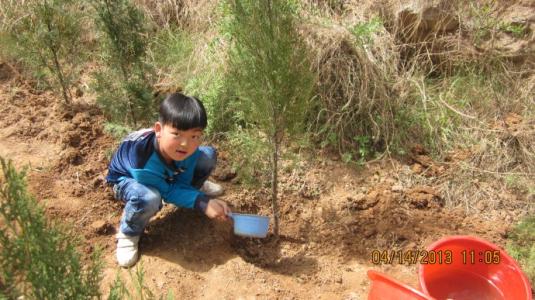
pixel 183 112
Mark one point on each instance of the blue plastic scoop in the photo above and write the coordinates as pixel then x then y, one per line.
pixel 250 225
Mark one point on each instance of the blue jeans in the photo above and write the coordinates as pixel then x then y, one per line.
pixel 143 202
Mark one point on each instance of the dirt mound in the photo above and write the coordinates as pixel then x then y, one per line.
pixel 357 214
pixel 69 145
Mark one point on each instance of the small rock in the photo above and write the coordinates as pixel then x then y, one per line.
pixel 362 202
pixel 77 191
pixel 225 174
pixel 418 149
pixel 424 197
pixel 481 205
pixel 352 296
pixel 417 168
pixel 410 246
pixel 397 188
pixel 79 93
pixel 420 202
pixel 98 181
pixel 370 232
pixel 101 227
pixel 372 195
pixel 88 249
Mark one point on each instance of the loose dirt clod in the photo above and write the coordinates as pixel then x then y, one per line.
pixel 101 227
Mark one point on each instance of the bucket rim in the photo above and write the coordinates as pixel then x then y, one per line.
pixel 503 254
pixel 250 215
pixel 374 275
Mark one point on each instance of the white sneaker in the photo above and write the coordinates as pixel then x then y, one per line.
pixel 127 252
pixel 212 189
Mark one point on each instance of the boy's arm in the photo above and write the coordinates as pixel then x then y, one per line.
pixel 186 196
pixel 190 197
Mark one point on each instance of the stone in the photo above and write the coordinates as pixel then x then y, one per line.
pixel 101 227
pixel 397 188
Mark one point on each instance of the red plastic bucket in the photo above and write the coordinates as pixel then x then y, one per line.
pixel 386 288
pixel 465 267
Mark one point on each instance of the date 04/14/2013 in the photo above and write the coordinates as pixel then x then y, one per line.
pixel 380 257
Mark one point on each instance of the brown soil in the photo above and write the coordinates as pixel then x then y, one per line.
pixel 333 216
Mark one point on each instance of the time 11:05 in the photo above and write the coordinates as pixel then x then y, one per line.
pixel 485 257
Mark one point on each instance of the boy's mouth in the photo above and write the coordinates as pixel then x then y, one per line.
pixel 182 152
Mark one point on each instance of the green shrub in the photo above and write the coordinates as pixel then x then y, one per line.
pixel 118 131
pixel 218 96
pixel 269 65
pixel 124 88
pixel 196 64
pixel 48 41
pixel 38 259
pixel 172 54
pixel 7 46
pixel 253 166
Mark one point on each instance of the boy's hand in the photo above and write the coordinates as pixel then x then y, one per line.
pixel 217 209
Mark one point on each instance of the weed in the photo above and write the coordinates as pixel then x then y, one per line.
pixel 518 183
pixel 516 30
pixel 484 23
pixel 440 106
pixel 365 31
pixel 521 245
pixel 140 291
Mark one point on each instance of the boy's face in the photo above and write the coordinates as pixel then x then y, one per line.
pixel 177 144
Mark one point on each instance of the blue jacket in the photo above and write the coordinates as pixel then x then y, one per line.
pixel 137 157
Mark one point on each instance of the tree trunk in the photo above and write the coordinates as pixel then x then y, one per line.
pixel 64 88
pixel 274 185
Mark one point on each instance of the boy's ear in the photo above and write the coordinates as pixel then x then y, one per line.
pixel 158 129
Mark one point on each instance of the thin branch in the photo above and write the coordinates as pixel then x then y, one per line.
pixel 453 109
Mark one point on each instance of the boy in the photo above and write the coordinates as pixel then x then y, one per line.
pixel 164 162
